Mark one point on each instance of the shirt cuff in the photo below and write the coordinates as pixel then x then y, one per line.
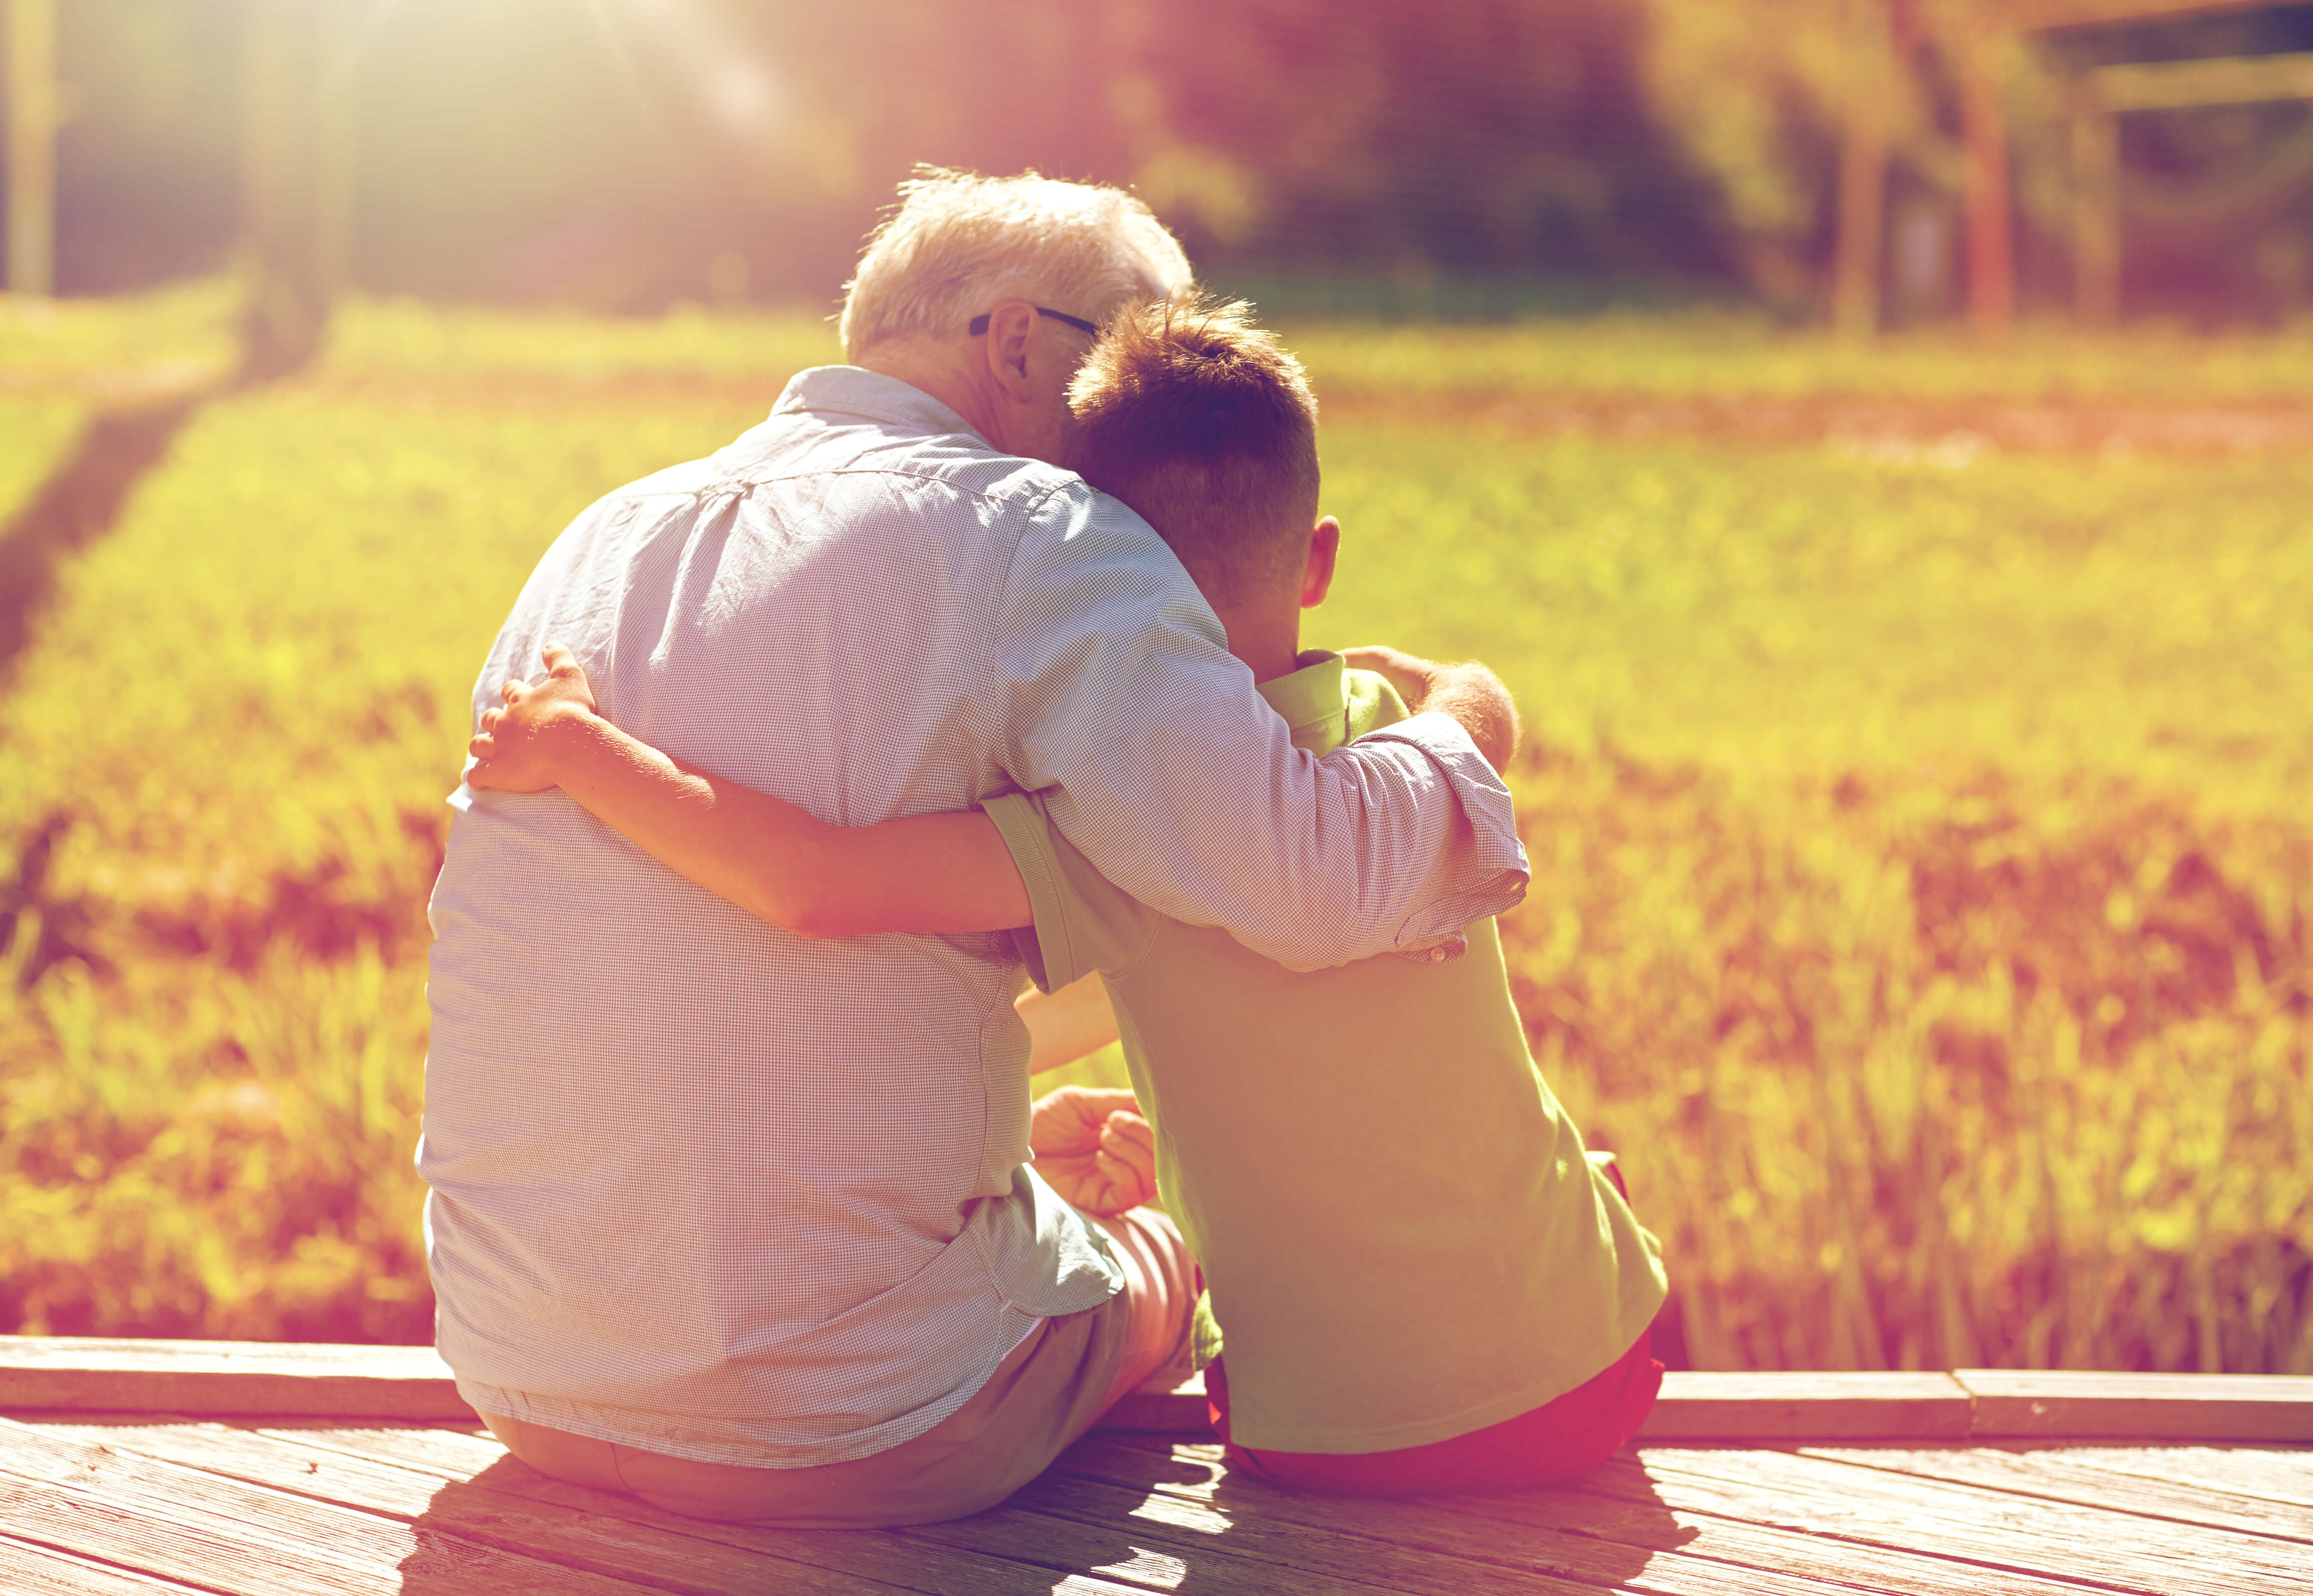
pixel 1046 948
pixel 1494 872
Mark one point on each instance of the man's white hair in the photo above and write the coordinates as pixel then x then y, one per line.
pixel 958 243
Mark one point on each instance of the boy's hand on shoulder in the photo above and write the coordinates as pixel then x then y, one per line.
pixel 1094 1148
pixel 520 741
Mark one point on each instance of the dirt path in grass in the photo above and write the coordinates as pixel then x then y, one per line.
pixel 134 415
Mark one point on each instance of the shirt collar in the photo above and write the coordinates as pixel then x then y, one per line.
pixel 1313 700
pixel 870 395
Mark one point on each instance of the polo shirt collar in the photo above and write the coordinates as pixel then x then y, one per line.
pixel 870 395
pixel 1312 701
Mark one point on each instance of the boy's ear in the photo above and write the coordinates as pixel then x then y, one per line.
pixel 1317 576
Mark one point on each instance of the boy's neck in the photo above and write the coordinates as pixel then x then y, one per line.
pixel 1266 636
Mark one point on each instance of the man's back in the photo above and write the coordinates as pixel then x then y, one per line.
pixel 764 1189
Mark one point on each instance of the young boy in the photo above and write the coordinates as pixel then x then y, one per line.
pixel 1422 1280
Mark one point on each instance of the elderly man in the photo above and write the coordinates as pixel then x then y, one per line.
pixel 742 1222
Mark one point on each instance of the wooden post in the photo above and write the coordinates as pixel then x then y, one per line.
pixel 1863 174
pixel 32 146
pixel 2096 211
pixel 1991 239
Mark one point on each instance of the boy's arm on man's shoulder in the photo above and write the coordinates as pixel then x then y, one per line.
pixel 1183 787
pixel 926 873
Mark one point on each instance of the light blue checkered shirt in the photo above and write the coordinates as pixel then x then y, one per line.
pixel 705 1188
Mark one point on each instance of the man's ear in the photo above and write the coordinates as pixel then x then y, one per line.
pixel 1317 576
pixel 1011 328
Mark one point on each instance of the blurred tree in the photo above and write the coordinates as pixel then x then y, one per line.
pixel 610 163
pixel 1493 136
pixel 294 177
pixel 623 154
pixel 147 140
pixel 31 136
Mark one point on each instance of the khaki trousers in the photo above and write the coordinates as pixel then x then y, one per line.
pixel 1050 1389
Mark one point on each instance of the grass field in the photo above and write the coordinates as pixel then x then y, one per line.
pixel 1921 859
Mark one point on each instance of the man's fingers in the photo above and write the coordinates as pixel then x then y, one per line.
pixel 512 689
pixel 559 660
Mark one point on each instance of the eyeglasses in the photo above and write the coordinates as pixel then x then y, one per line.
pixel 979 323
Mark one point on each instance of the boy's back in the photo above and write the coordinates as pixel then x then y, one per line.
pixel 1404 1239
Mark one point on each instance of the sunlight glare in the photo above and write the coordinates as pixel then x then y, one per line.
pixel 1145 1567
pixel 739 93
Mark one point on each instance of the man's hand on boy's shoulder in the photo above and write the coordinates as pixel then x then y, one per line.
pixel 1092 1147
pixel 1410 674
pixel 1468 693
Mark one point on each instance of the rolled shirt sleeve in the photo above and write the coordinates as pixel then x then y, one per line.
pixel 1183 787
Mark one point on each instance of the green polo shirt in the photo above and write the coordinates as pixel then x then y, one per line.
pixel 1402 1237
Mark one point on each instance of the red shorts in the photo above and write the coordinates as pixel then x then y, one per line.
pixel 1555 1442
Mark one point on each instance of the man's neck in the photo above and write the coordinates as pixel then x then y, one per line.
pixel 934 370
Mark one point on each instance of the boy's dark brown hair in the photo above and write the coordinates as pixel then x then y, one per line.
pixel 1205 425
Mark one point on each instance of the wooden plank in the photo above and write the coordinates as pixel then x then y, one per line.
pixel 2087 14
pixel 880 1554
pixel 662 1559
pixel 1172 1544
pixel 2267 1474
pixel 222 1535
pixel 29 1570
pixel 1068 1516
pixel 1779 1406
pixel 2174 86
pixel 1984 174
pixel 1636 1545
pixel 225 1378
pixel 234 1378
pixel 2147 1406
pixel 1152 1550
pixel 1753 1549
pixel 2053 1474
pixel 1785 1407
pixel 2046 1539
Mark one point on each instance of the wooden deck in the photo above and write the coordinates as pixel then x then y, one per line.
pixel 267 1471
